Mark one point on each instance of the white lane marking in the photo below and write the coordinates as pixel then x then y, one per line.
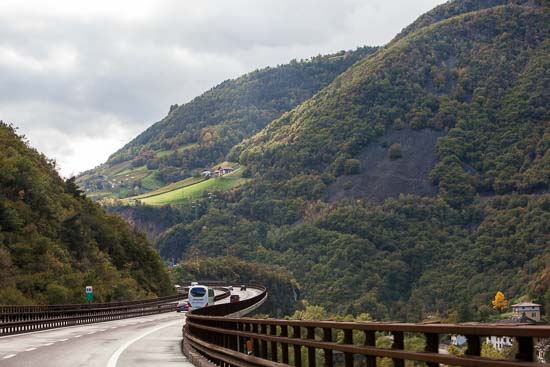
pixel 62 340
pixel 114 358
pixel 91 332
pixel 47 344
pixel 77 336
pixel 30 349
pixel 114 327
pixel 9 356
pixel 102 329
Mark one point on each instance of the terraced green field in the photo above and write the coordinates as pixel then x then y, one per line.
pixel 163 153
pixel 168 188
pixel 166 196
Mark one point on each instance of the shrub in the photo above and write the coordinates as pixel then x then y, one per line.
pixel 352 166
pixel 395 151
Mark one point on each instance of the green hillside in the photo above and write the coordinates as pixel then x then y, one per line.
pixel 486 87
pixel 190 188
pixel 200 133
pixel 54 241
pixel 464 89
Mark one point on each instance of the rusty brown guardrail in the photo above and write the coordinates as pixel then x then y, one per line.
pixel 247 342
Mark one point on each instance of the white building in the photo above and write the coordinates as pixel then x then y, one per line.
pixel 458 340
pixel 499 342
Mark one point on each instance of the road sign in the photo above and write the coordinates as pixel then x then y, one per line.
pixel 89 293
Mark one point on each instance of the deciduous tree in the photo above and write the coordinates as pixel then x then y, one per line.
pixel 500 303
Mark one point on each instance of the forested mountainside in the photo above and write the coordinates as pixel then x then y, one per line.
pixel 480 76
pixel 457 7
pixel 54 241
pixel 474 80
pixel 199 134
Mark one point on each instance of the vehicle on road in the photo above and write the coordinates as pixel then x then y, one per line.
pixel 243 287
pixel 182 306
pixel 200 296
pixel 234 298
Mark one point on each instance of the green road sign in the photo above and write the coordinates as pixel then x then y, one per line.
pixel 89 293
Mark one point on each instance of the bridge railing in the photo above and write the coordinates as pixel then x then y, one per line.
pixel 35 321
pixel 23 319
pixel 19 310
pixel 246 342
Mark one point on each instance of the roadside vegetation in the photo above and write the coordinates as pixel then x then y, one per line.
pixel 54 241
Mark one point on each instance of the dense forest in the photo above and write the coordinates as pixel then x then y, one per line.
pixel 473 72
pixel 199 134
pixel 54 241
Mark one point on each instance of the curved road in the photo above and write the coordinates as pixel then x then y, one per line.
pixel 141 341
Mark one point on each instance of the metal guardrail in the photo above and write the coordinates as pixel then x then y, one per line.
pixel 29 308
pixel 14 313
pixel 64 318
pixel 24 319
pixel 230 308
pixel 247 342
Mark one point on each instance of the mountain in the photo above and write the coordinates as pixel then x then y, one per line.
pixel 198 134
pixel 54 241
pixel 414 185
pixel 479 77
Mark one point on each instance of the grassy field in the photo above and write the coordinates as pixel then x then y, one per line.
pixel 168 188
pixel 130 171
pixel 151 182
pixel 163 153
pixel 191 191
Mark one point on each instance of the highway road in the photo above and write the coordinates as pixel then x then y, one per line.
pixel 142 341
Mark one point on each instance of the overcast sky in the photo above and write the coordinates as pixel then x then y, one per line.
pixel 82 78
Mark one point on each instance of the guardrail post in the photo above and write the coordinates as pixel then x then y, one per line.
pixel 255 343
pixel 263 328
pixel 398 343
pixel 232 338
pixel 348 339
pixel 273 331
pixel 284 346
pixel 242 339
pixel 311 350
pixel 525 349
pixel 432 346
pixel 474 345
pixel 327 337
pixel 370 341
pixel 297 333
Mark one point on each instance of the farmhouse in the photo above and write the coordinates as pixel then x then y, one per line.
pixel 529 309
pixel 225 170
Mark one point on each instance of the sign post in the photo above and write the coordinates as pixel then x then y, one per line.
pixel 89 293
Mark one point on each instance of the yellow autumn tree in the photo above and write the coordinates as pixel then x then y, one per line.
pixel 500 303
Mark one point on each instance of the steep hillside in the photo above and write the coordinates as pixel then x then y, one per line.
pixel 479 76
pixel 54 241
pixel 457 7
pixel 453 112
pixel 479 82
pixel 381 174
pixel 200 133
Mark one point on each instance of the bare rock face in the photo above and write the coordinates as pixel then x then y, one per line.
pixel 383 176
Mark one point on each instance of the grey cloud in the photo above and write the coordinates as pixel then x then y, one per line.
pixel 67 75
